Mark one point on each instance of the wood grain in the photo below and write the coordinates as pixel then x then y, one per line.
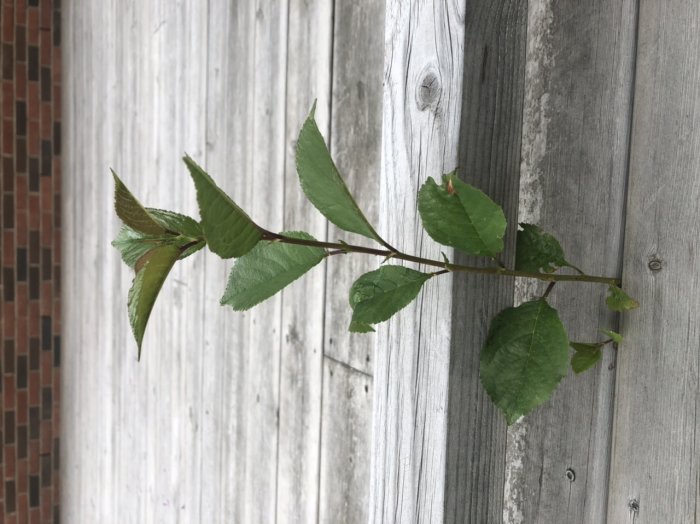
pixel 116 410
pixel 356 124
pixel 655 466
pixel 229 120
pixel 355 141
pixel 347 425
pixel 422 101
pixel 580 60
pixel 308 76
pixel 489 158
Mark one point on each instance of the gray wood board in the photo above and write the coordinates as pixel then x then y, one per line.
pixel 221 419
pixel 489 158
pixel 347 425
pixel 308 73
pixel 356 123
pixel 655 459
pixel 422 101
pixel 355 141
pixel 119 110
pixel 580 61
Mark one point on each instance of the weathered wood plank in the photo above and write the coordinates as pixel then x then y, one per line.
pixel 117 411
pixel 267 141
pixel 655 461
pixel 229 157
pixel 494 66
pixel 356 123
pixel 308 76
pixel 347 425
pixel 358 61
pixel 422 101
pixel 580 60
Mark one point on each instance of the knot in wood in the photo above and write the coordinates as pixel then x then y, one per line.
pixel 570 474
pixel 429 91
pixel 655 264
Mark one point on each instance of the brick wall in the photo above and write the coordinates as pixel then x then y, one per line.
pixel 30 145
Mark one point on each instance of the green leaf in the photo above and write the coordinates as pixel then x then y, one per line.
pixel 616 337
pixel 587 355
pixel 133 245
pixel 229 231
pixel 177 223
pixel 618 300
pixel 132 213
pixel 151 271
pixel 459 215
pixel 377 295
pixel 268 268
pixel 323 185
pixel 181 231
pixel 586 346
pixel 538 251
pixel 359 327
pixel 525 356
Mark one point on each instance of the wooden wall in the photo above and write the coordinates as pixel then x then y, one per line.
pixel 228 417
pixel 579 116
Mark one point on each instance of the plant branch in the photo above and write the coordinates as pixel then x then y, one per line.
pixel 547 277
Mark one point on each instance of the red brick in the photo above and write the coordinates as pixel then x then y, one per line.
pixel 46 368
pixel 56 67
pixel 45 47
pixel 8 249
pixel 46 502
pixel 33 101
pixel 8 93
pixel 34 212
pixel 8 133
pixel 56 321
pixel 45 190
pixel 21 12
pixel 57 104
pixel 46 437
pixel 34 319
pixel 46 230
pixel 22 301
pixel 32 26
pixel 57 244
pixel 22 229
pixel 22 508
pixel 8 319
pixel 11 519
pixel 34 516
pixel 46 300
pixel 56 175
pixel 22 477
pixel 20 80
pixel 34 388
pixel 33 140
pixel 9 393
pixel 9 460
pixel 46 128
pixel 22 411
pixel 46 19
pixel 34 458
pixel 21 336
pixel 21 191
pixel 8 24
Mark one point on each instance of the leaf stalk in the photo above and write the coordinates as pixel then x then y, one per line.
pixel 349 248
